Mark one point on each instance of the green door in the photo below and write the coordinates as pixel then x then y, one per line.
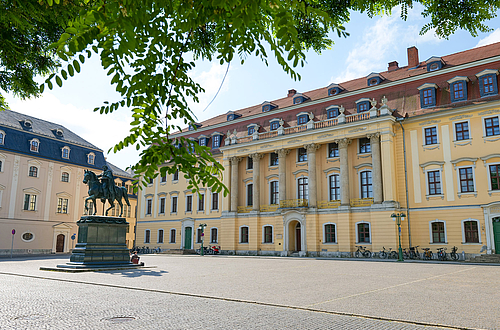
pixel 187 238
pixel 496 233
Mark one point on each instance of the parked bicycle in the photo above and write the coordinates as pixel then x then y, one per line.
pixel 384 254
pixel 413 252
pixel 362 252
pixel 453 254
pixel 441 252
pixel 427 254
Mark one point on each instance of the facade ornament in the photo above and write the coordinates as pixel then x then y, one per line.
pixel 311 147
pixel 235 160
pixel 374 137
pixel 373 102
pixel 341 110
pixel 311 116
pixel 282 122
pixel 256 156
pixel 282 152
pixel 341 116
pixel 384 100
pixel 343 143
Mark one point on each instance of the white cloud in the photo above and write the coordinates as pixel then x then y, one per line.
pixel 492 38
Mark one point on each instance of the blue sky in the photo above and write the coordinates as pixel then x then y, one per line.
pixel 372 44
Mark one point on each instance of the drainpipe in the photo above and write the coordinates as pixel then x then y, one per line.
pixel 400 121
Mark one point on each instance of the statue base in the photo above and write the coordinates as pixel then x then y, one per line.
pixel 101 245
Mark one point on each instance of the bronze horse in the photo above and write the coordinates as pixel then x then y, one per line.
pixel 96 191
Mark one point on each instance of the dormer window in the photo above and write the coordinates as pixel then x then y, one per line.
pixel 34 145
pixel 203 140
pixel 374 79
pixel 458 88
pixel 91 158
pixel 232 116
pixel 275 124
pixel 216 140
pixel 194 126
pixel 268 106
pixel 427 95
pixel 332 112
pixel 28 124
pixel 363 105
pixel 302 118
pixel 488 82
pixel 434 63
pixel 252 128
pixel 65 152
pixel 299 98
pixel 59 132
pixel 2 137
pixel 334 89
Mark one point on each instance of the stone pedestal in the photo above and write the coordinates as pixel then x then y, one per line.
pixel 101 244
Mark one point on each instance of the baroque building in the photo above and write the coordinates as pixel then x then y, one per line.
pixel 41 190
pixel 320 172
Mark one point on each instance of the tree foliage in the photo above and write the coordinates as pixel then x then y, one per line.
pixel 145 46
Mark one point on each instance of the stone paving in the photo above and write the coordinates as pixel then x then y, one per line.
pixel 228 292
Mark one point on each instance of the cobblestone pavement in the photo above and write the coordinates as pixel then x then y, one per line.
pixel 221 292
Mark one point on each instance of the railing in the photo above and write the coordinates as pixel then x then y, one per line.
pixel 295 129
pixel 328 204
pixel 359 202
pixel 357 117
pixel 287 203
pixel 326 123
pixel 244 209
pixel 268 135
pixel 269 208
pixel 245 139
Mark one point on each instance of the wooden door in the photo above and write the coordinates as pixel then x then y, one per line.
pixel 60 243
pixel 298 238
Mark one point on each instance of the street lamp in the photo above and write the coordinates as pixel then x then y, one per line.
pixel 202 227
pixel 398 217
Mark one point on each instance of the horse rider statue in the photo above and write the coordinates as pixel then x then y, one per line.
pixel 108 182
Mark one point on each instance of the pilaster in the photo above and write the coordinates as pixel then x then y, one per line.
pixel 344 171
pixel 376 168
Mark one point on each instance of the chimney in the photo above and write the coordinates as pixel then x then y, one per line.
pixel 291 92
pixel 413 57
pixel 393 66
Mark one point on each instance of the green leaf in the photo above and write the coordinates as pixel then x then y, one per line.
pixel 59 81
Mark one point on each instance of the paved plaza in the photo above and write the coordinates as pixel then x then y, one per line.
pixel 230 292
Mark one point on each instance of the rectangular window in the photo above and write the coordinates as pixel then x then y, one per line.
pixel 268 234
pixel 274 159
pixel 250 195
pixel 427 94
pixel 249 163
pixel 363 107
pixel 274 186
pixel 332 113
pixel 213 235
pixel 251 130
pixel 495 177
pixel 216 141
pixel 364 146
pixel 163 179
pixel 199 236
pixel 189 203
pixel 458 90
pixel 466 179
pixel 162 205
pixel 302 119
pixel 333 150
pixel 202 142
pixel 147 236
pixel 366 184
pixel 363 233
pixel 174 204
pixel 434 182
pixel 471 232
pixel 201 202
pixel 244 235
pixel 488 86
pixel 176 176
pixel 438 232
pixel 329 233
pixel 275 125
pixel 301 155
pixel 215 201
pixel 149 206
pixel 33 171
pixel 160 236
pixel 62 205
pixel 334 187
pixel 462 131
pixel 29 202
pixel 431 135
pixel 303 192
pixel 172 236
pixel 491 126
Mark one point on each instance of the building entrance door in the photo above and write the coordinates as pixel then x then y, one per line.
pixel 60 243
pixel 187 238
pixel 298 238
pixel 496 234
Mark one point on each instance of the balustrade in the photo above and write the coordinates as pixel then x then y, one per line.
pixel 328 204
pixel 290 203
pixel 360 202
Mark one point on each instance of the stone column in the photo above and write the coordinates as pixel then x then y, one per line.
pixel 311 167
pixel 282 172
pixel 344 171
pixel 376 167
pixel 256 181
pixel 234 183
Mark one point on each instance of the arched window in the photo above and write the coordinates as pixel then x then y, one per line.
pixel 244 234
pixel 471 231
pixel 65 177
pixel 65 152
pixel 334 187
pixel 213 235
pixel 91 158
pixel 303 191
pixel 363 232
pixel 147 236
pixel 2 137
pixel 34 145
pixel 365 178
pixel 1 166
pixel 33 171
pixel 267 234
pixel 160 236
pixel 172 235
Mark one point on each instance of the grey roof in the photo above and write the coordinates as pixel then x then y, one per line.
pixel 118 171
pixel 42 127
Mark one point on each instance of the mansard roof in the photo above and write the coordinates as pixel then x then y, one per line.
pixel 119 172
pixel 42 127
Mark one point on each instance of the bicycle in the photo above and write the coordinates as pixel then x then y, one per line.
pixel 427 254
pixel 441 254
pixel 414 254
pixel 453 254
pixel 362 252
pixel 383 253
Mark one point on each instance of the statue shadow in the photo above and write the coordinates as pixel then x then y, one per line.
pixel 138 273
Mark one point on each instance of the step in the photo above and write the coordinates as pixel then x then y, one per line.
pixel 486 258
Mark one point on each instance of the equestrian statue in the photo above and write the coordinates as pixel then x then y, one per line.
pixel 104 189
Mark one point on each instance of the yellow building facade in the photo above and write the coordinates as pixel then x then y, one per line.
pixel 320 173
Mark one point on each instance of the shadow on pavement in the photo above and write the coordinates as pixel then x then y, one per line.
pixel 136 273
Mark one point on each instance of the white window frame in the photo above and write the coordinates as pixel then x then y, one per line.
pixel 438 137
pixel 431 241
pixel 297 185
pixel 297 156
pixel 478 232
pixel 336 241
pixel 455 130
pixel 272 234
pixel 459 187
pixel 69 176
pixel 357 236
pixel 158 236
pixel 329 174
pixel 186 203
pixel 149 199
pixel 278 157
pixel 212 201
pixel 37 170
pixel 239 234
pixel 170 236
pixel 490 188
pixel 164 197
pixel 328 151
pixel 484 125
pixel 63 198
pixel 172 195
pixel 64 149
pixel 146 230
pixel 2 142
pixel 431 168
pixel 359 144
pixel 360 170
pixel 91 158
pixel 270 191
pixel 246 191
pixel 217 240
pixel 31 145
pixel 204 202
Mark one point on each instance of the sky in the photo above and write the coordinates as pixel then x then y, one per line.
pixel 372 44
